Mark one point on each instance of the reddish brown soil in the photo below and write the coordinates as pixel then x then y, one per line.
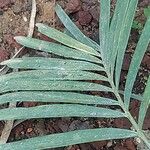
pixel 14 16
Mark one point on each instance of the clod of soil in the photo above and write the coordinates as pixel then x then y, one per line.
pixel 73 6
pixel 84 17
pixel 94 11
pixel 146 61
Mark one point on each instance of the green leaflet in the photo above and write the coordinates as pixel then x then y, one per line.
pixel 58 110
pixel 104 28
pixel 136 61
pixel 73 29
pixel 65 39
pixel 133 96
pixel 69 138
pixel 57 97
pixel 123 40
pixel 147 11
pixel 53 75
pixel 50 64
pixel 144 104
pixel 116 30
pixel 47 85
pixel 66 31
pixel 55 48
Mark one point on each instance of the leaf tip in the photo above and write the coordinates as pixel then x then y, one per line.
pixel 17 38
pixel 3 63
pixel 39 25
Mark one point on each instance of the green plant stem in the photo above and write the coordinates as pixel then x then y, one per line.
pixel 129 116
pixel 126 111
pixel 122 105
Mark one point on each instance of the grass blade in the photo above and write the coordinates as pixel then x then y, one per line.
pixel 65 39
pixel 50 64
pixel 56 97
pixel 69 138
pixel 57 111
pixel 55 48
pixel 136 61
pixel 144 104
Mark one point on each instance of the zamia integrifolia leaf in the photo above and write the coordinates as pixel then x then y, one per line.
pixel 65 82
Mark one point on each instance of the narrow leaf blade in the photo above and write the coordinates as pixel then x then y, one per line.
pixel 55 48
pixel 144 104
pixel 116 29
pixel 57 111
pixel 136 61
pixel 56 97
pixel 51 64
pixel 134 96
pixel 104 27
pixel 53 75
pixel 65 39
pixel 46 85
pixel 72 28
pixel 69 138
pixel 123 40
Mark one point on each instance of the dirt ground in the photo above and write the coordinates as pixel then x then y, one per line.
pixel 14 20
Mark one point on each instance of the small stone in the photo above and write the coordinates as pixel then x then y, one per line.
pixel 73 6
pixel 109 144
pixel 84 17
pixel 25 19
pixel 29 130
